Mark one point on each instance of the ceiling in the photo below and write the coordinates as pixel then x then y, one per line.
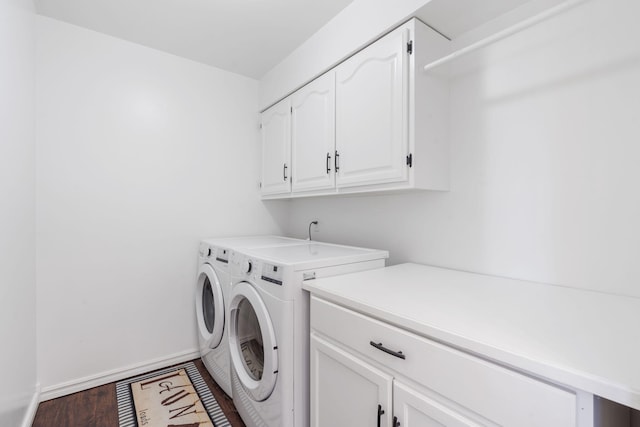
pixel 250 37
pixel 247 37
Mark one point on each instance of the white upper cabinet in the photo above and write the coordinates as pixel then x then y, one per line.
pixel 276 149
pixel 376 122
pixel 371 113
pixel 313 135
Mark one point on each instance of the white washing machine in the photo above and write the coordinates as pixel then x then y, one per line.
pixel 269 326
pixel 212 293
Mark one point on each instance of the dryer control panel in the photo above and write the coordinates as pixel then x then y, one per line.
pixel 272 273
pixel 222 255
pixel 248 267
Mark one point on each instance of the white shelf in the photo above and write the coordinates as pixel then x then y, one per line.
pixel 507 32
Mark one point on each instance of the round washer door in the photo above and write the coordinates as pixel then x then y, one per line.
pixel 252 342
pixel 209 306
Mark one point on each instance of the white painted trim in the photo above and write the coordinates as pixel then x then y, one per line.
pixel 585 415
pixel 80 384
pixel 30 415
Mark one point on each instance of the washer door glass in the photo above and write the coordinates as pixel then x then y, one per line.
pixel 209 307
pixel 252 340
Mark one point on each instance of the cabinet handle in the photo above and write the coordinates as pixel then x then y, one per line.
pixel 328 160
pixel 284 171
pixel 396 423
pixel 335 160
pixel 381 347
pixel 380 412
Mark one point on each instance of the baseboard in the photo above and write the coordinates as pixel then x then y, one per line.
pixel 69 387
pixel 30 415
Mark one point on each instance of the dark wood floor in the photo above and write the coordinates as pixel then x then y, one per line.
pixel 98 407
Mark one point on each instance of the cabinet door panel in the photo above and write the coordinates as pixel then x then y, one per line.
pixel 371 113
pixel 276 147
pixel 414 409
pixel 313 135
pixel 345 391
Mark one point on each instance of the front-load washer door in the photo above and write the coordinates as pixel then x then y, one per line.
pixel 209 307
pixel 252 342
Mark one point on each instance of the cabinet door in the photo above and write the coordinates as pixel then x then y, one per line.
pixel 372 113
pixel 313 135
pixel 276 148
pixel 345 391
pixel 413 409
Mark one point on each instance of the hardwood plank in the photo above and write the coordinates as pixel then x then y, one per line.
pixel 94 407
pixel 98 406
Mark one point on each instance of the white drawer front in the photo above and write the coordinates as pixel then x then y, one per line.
pixel 496 393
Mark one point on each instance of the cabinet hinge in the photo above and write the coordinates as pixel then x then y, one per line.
pixel 410 160
pixel 410 47
pixel 291 110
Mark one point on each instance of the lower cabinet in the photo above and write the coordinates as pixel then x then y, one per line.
pixel 365 372
pixel 346 391
pixel 411 408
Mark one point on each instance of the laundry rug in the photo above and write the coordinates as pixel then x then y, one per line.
pixel 176 396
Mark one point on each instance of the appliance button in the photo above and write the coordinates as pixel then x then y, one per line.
pixel 247 266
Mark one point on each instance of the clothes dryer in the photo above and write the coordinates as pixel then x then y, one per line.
pixel 269 325
pixel 212 292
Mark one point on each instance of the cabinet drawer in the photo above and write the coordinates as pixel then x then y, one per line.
pixel 498 394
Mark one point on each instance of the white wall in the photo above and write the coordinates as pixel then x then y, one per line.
pixel 544 162
pixel 17 211
pixel 139 155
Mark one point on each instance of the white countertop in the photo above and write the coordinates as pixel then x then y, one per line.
pixel 310 254
pixel 585 340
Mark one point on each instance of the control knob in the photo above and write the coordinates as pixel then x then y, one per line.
pixel 247 266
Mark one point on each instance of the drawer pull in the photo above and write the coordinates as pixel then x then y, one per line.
pixel 379 346
pixel 380 412
pixel 396 423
